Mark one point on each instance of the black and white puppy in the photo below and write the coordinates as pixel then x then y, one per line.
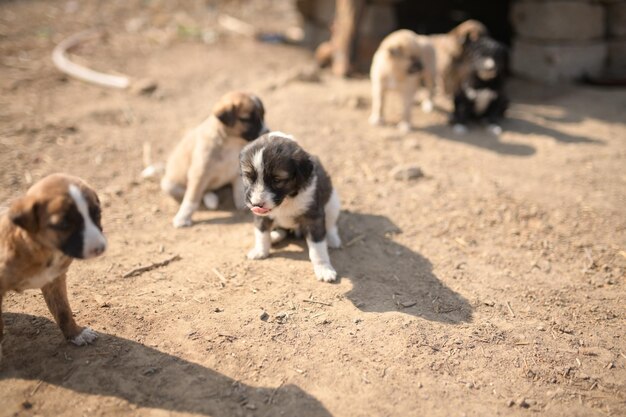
pixel 288 189
pixel 479 94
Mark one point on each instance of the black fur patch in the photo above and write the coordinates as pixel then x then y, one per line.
pixel 287 171
pixel 472 67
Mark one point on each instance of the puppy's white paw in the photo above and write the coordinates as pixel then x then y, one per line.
pixel 494 129
pixel 375 120
pixel 258 253
pixel 210 200
pixel 325 272
pixel 404 127
pixel 333 240
pixel 86 337
pixel 427 106
pixel 459 129
pixel 181 221
pixel 278 235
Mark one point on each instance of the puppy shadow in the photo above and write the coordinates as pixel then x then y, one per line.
pixel 526 127
pixel 387 276
pixel 478 136
pixel 145 377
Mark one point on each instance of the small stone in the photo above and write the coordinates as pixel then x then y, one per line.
pixel 522 402
pixel 357 321
pixel 510 403
pixel 264 316
pixel 144 87
pixel 406 173
pixel 26 405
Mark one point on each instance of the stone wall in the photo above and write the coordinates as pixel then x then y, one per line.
pixel 567 40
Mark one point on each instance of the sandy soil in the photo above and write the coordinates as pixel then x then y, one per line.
pixel 494 285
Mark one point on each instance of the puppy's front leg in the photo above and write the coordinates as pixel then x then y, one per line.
pixel 378 98
pixel 196 184
pixel 55 294
pixel 407 102
pixel 1 325
pixel 262 238
pixel 318 251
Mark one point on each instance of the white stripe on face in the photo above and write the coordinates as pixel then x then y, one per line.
pixel 94 242
pixel 259 195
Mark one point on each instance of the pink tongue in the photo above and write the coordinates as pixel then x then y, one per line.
pixel 259 210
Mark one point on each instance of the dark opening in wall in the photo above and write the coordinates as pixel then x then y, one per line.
pixel 440 16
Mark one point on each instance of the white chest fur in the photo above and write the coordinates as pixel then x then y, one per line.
pixel 285 215
pixel 481 97
pixel 56 267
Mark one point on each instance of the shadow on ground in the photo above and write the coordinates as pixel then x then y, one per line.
pixel 385 275
pixel 140 375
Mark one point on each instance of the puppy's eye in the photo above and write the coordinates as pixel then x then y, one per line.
pixel 250 175
pixel 245 119
pixel 95 214
pixel 279 182
pixel 61 225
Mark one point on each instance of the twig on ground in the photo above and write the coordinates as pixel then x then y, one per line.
pixel 36 388
pixel 140 270
pixel 508 305
pixel 317 302
pixel 273 394
pixel 355 240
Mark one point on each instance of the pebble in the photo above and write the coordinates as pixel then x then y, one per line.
pixel 406 172
pixel 264 316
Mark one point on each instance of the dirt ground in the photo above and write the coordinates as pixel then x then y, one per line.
pixel 494 285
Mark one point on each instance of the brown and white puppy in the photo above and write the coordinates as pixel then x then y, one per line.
pixel 207 158
pixel 449 47
pixel 288 189
pixel 58 220
pixel 404 60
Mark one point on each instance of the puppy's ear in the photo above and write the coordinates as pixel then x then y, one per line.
pixel 304 165
pixel 24 213
pixel 226 114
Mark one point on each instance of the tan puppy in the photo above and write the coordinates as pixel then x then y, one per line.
pixel 207 158
pixel 402 62
pixel 56 221
pixel 449 47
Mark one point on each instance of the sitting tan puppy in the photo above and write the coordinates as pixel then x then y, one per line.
pixel 448 49
pixel 57 221
pixel 402 62
pixel 207 158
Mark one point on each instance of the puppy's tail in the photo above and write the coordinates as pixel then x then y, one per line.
pixel 151 170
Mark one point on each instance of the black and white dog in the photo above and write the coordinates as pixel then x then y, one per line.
pixel 479 94
pixel 288 189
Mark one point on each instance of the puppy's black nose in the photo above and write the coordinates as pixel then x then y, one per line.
pixel 98 250
pixel 259 205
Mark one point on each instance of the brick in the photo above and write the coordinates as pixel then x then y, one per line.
pixel 554 62
pixel 616 62
pixel 558 20
pixel 616 17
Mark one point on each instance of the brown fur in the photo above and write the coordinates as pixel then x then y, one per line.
pixel 393 69
pixel 449 47
pixel 29 247
pixel 207 158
